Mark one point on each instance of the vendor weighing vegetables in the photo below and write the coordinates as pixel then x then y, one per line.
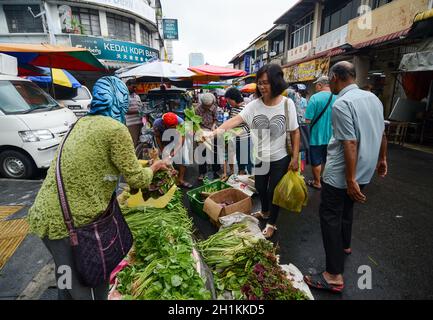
pixel 97 151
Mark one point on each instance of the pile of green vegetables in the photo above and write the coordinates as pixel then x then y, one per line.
pixel 161 264
pixel 235 257
pixel 161 183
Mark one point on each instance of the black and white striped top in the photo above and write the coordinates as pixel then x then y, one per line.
pixel 234 111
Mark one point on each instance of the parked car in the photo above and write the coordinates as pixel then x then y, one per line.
pixel 78 100
pixel 32 125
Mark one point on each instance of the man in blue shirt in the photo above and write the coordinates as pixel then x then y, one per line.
pixel 358 147
pixel 318 115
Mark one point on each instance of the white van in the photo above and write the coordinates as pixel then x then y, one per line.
pixel 78 100
pixel 32 125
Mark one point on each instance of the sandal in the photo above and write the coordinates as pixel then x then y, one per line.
pixel 185 185
pixel 311 184
pixel 260 215
pixel 269 231
pixel 318 281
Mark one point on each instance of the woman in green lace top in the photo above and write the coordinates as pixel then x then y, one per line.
pixel 98 150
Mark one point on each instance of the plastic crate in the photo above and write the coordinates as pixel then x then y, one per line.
pixel 194 196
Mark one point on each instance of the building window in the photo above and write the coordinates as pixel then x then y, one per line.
pixel 339 14
pixel 121 28
pixel 145 35
pixel 278 46
pixel 378 3
pixel 86 20
pixel 20 20
pixel 260 52
pixel 303 31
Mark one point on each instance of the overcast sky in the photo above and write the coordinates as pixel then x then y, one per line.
pixel 220 28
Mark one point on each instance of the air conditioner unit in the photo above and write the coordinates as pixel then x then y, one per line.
pixel 265 55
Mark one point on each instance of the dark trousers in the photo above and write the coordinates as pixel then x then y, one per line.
pixel 62 253
pixel 245 155
pixel 266 184
pixel 202 169
pixel 336 218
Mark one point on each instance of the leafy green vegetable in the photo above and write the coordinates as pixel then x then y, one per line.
pixel 162 263
pixel 161 183
pixel 234 255
pixel 191 124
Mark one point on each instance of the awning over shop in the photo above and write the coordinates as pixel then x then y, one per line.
pixel 417 61
pixel 388 37
pixel 422 25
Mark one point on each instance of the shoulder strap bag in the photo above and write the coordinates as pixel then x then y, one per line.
pixel 288 137
pixel 306 128
pixel 97 247
pixel 322 113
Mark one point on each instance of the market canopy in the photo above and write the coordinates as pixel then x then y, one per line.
pixel 157 69
pixel 417 61
pixel 249 88
pixel 46 55
pixel 25 70
pixel 61 77
pixel 215 72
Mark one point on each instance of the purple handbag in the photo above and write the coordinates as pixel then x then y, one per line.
pixel 97 247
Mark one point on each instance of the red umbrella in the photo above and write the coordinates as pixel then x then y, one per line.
pixel 29 70
pixel 215 71
pixel 45 55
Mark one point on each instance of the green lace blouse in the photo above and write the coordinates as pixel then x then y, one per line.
pixel 97 151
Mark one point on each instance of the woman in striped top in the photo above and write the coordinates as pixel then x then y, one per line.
pixel 243 139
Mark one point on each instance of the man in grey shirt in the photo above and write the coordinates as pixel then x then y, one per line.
pixel 358 147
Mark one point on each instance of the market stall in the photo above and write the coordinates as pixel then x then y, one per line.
pixel 167 261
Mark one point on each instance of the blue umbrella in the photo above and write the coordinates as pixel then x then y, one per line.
pixel 61 78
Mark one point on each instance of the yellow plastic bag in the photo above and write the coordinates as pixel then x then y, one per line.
pixel 291 192
pixel 137 201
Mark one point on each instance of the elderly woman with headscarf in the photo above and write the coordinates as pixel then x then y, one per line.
pixel 207 110
pixel 98 150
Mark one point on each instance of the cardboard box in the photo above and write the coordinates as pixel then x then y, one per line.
pixel 212 207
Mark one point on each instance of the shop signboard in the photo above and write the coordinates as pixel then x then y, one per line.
pixel 137 7
pixel 299 52
pixel 170 29
pixel 145 87
pixel 332 39
pixel 247 62
pixel 393 17
pixel 107 49
pixel 307 71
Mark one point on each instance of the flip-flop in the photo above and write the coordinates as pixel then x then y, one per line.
pixel 318 281
pixel 259 215
pixel 185 185
pixel 265 230
pixel 310 183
